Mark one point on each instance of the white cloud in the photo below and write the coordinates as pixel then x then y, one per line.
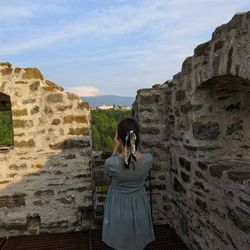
pixel 84 91
pixel 168 31
pixel 157 18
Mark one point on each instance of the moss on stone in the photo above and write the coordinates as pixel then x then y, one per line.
pixel 32 73
pixel 17 70
pixel 51 86
pixel 6 71
pixel 6 64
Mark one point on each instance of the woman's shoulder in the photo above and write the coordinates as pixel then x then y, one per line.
pixel 148 156
pixel 110 160
pixel 113 160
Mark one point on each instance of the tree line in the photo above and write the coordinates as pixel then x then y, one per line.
pixel 104 124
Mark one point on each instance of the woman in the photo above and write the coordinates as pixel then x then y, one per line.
pixel 127 223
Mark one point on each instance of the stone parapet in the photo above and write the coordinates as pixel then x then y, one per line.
pixel 45 179
pixel 197 127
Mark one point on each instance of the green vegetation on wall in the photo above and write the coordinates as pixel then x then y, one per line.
pixel 104 124
pixel 6 128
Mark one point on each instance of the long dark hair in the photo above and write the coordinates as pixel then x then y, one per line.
pixel 123 129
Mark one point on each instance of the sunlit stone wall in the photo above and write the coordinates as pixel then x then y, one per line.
pixel 45 180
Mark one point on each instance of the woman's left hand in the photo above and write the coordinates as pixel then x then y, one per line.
pixel 116 144
pixel 116 141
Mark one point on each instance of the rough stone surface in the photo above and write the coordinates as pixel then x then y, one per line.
pixel 47 172
pixel 203 144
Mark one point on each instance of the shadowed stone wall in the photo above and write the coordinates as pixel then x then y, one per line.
pixel 45 180
pixel 202 117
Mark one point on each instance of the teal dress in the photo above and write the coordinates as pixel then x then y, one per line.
pixel 127 223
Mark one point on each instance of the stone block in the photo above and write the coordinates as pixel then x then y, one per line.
pixel 202 49
pixel 78 131
pixel 150 130
pixel 22 123
pixel 202 165
pixel 75 118
pixel 206 131
pixel 23 144
pixel 64 107
pixel 21 82
pixel 233 107
pixel 48 110
pixel 180 95
pixel 32 73
pixel 240 221
pixel 150 100
pixel 178 187
pixel 55 121
pixel 199 175
pixel 69 199
pixel 216 170
pixel 35 110
pixel 33 223
pixel 34 86
pixel 20 112
pixel 44 193
pixel 185 177
pixel 54 98
pixel 29 100
pixel 185 163
pixel 234 127
pixel 201 204
pixel 12 201
pixel 239 176
pixel 200 186
pixel 18 166
pixel 218 45
pixel 83 105
pixel 6 71
pixel 70 144
pixel 51 86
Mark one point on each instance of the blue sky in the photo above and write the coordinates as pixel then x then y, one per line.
pixel 99 47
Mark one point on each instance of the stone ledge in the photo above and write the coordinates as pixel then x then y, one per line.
pixel 237 171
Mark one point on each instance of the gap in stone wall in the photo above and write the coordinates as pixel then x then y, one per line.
pixel 224 118
pixel 6 124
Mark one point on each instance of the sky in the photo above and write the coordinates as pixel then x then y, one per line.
pixel 102 47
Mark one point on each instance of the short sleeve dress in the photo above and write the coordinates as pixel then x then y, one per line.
pixel 127 223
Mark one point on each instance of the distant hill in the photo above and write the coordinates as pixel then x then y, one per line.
pixel 108 100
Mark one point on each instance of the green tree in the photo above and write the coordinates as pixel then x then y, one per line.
pixel 104 124
pixel 6 128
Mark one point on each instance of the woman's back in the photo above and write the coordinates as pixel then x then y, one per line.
pixel 135 174
pixel 127 220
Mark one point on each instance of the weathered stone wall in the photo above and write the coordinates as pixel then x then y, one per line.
pixel 100 184
pixel 205 109
pixel 149 109
pixel 45 180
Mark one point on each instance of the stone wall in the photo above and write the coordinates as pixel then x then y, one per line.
pixel 197 127
pixel 45 179
pixel 148 109
pixel 100 184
